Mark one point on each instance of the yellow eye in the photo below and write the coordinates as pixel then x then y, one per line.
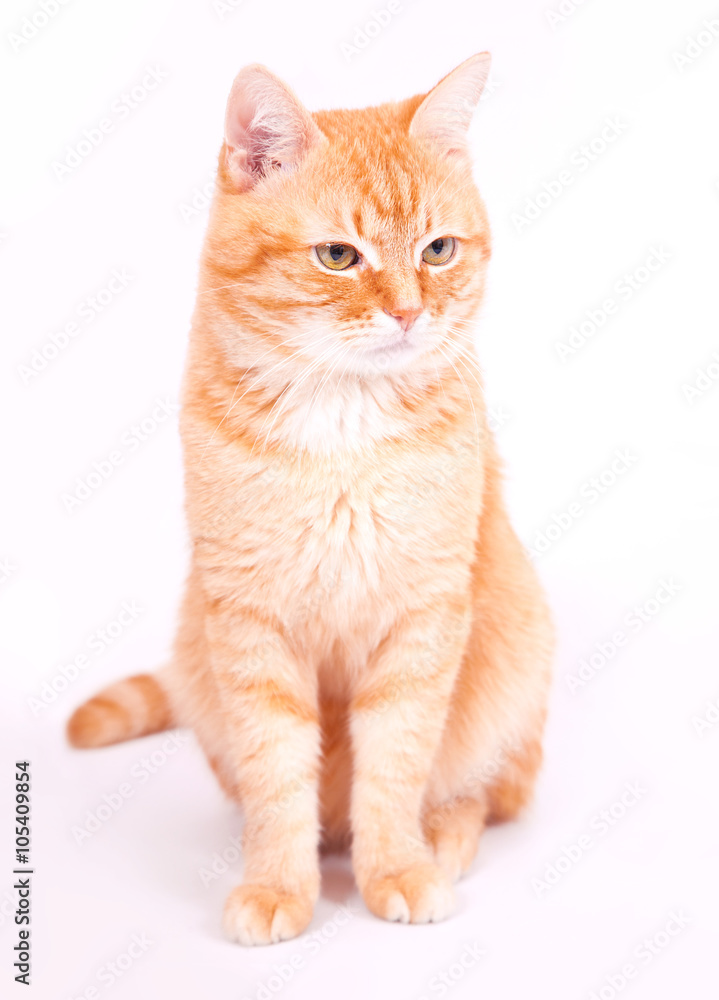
pixel 337 256
pixel 440 251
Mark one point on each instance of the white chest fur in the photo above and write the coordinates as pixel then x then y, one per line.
pixel 337 415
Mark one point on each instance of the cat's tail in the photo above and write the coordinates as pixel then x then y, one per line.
pixel 130 708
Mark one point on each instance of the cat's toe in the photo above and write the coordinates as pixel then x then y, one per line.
pixel 255 914
pixel 418 895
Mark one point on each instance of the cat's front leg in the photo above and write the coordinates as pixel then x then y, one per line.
pixel 272 745
pixel 398 717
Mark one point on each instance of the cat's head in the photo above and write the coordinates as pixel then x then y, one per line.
pixel 349 241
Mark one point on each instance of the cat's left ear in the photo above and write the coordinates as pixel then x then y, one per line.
pixel 266 128
pixel 444 116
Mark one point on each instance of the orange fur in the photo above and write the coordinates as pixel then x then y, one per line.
pixel 133 707
pixel 364 648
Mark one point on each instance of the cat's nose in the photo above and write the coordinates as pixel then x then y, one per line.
pixel 405 315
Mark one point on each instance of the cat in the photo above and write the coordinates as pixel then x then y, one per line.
pixel 364 649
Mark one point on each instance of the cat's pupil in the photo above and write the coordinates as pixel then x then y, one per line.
pixel 437 246
pixel 337 250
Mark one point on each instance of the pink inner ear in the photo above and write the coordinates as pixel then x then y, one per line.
pixel 239 117
pixel 265 126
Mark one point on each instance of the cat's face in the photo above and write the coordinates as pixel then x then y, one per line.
pixel 359 246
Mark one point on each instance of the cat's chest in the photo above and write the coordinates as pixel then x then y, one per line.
pixel 356 539
pixel 337 545
pixel 350 415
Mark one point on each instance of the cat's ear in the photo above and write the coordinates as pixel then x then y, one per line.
pixel 266 128
pixel 444 116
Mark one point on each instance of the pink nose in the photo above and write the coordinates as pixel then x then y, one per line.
pixel 405 315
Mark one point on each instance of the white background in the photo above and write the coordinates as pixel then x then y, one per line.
pixel 635 720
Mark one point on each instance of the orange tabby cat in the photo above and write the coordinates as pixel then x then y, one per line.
pixel 364 648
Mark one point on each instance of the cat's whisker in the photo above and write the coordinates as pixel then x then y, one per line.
pixel 325 357
pixel 263 375
pixel 477 373
pixel 348 352
pixel 471 402
pixel 466 330
pixel 342 375
pixel 439 380
pixel 227 413
pixel 271 350
pixel 219 288
pixel 467 358
pixel 232 403
pixel 462 359
pixel 277 405
pixel 303 376
pixel 282 400
pixel 464 336
pixel 316 394
pixel 467 348
pixel 471 356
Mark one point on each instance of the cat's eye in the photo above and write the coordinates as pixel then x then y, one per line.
pixel 337 256
pixel 440 251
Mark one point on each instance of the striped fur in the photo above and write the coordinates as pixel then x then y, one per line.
pixel 130 708
pixel 364 649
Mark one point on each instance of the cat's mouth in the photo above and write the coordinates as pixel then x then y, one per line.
pixel 401 341
pixel 391 352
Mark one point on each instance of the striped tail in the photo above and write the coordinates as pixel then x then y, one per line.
pixel 134 707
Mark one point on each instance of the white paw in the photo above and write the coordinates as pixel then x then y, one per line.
pixel 258 915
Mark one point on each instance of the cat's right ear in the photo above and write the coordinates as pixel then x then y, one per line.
pixel 266 128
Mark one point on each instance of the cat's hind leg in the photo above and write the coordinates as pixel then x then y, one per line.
pixel 453 829
pixel 512 790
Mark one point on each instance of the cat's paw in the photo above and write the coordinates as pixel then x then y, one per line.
pixel 257 915
pixel 418 895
